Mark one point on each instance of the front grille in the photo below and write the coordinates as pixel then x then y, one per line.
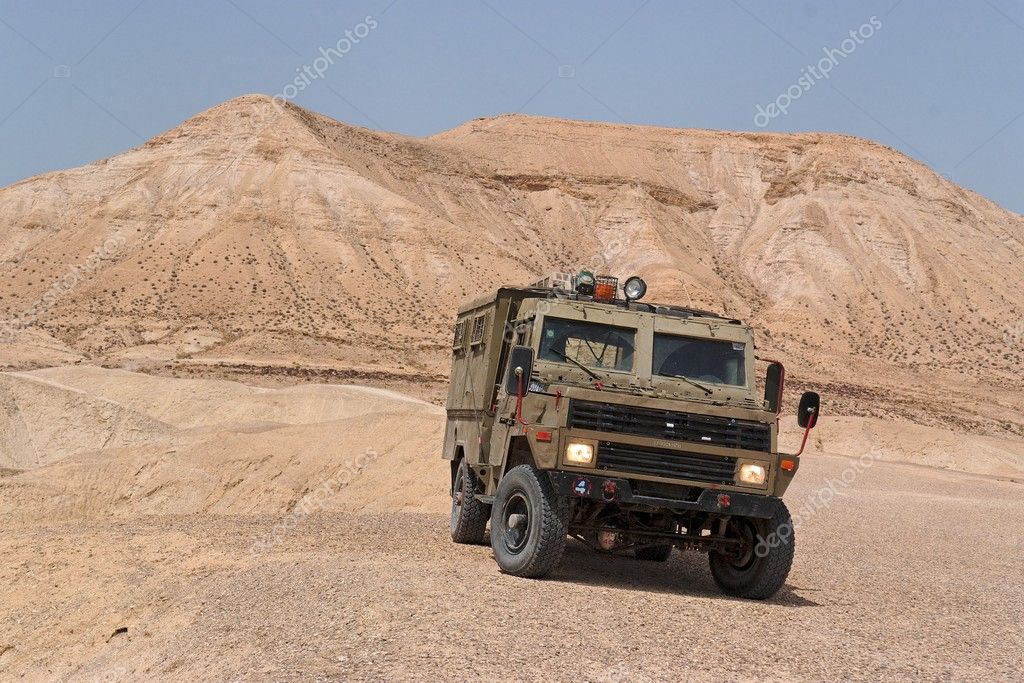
pixel 659 463
pixel 670 424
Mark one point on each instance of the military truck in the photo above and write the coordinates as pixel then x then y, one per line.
pixel 577 410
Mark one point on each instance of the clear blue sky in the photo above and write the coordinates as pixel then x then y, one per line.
pixel 942 81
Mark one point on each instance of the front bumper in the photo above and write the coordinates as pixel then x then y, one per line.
pixel 618 490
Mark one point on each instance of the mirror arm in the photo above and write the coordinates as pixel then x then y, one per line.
pixel 803 442
pixel 519 397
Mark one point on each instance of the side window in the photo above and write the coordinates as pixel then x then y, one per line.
pixel 479 323
pixel 460 336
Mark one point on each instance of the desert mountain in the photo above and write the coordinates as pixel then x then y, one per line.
pixel 257 239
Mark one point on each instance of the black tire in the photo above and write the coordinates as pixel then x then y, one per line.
pixel 529 523
pixel 763 568
pixel 654 553
pixel 469 515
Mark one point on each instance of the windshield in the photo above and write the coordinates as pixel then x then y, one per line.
pixel 591 344
pixel 702 360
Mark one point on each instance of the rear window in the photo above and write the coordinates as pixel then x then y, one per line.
pixel 702 360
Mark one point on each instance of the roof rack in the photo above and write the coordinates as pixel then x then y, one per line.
pixel 565 283
pixel 687 312
pixel 562 282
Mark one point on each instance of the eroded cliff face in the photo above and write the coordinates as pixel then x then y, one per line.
pixel 260 240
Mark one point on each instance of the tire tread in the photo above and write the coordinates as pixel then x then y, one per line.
pixel 777 563
pixel 553 526
pixel 472 522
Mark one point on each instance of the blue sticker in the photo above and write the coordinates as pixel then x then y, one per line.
pixel 581 487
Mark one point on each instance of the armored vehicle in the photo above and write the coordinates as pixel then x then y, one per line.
pixel 577 410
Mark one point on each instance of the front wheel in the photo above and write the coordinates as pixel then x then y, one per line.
pixel 760 567
pixel 529 523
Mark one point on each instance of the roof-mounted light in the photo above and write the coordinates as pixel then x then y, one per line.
pixel 585 283
pixel 634 289
pixel 605 288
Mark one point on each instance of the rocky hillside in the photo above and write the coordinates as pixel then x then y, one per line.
pixel 263 240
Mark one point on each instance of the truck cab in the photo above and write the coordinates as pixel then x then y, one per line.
pixel 577 410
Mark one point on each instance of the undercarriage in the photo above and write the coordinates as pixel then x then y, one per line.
pixel 616 528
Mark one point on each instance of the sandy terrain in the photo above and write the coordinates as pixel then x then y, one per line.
pixel 85 442
pixel 913 573
pixel 243 533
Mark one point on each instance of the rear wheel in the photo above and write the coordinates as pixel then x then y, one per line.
pixel 529 523
pixel 469 515
pixel 759 569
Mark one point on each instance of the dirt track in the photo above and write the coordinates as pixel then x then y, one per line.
pixel 913 573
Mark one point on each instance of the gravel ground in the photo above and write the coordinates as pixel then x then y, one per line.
pixel 909 573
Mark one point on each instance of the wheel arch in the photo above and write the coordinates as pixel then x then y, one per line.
pixel 457 457
pixel 519 453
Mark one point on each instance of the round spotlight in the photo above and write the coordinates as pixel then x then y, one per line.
pixel 635 288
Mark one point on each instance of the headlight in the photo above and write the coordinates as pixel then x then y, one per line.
pixel 752 474
pixel 578 453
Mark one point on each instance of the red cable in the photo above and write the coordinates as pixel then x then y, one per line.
pixel 519 401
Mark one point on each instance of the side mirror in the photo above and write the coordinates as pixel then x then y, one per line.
pixel 520 359
pixel 774 380
pixel 807 413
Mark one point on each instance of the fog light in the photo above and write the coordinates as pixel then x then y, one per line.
pixel 578 453
pixel 752 474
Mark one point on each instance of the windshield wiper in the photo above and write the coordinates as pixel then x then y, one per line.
pixel 581 366
pixel 690 381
